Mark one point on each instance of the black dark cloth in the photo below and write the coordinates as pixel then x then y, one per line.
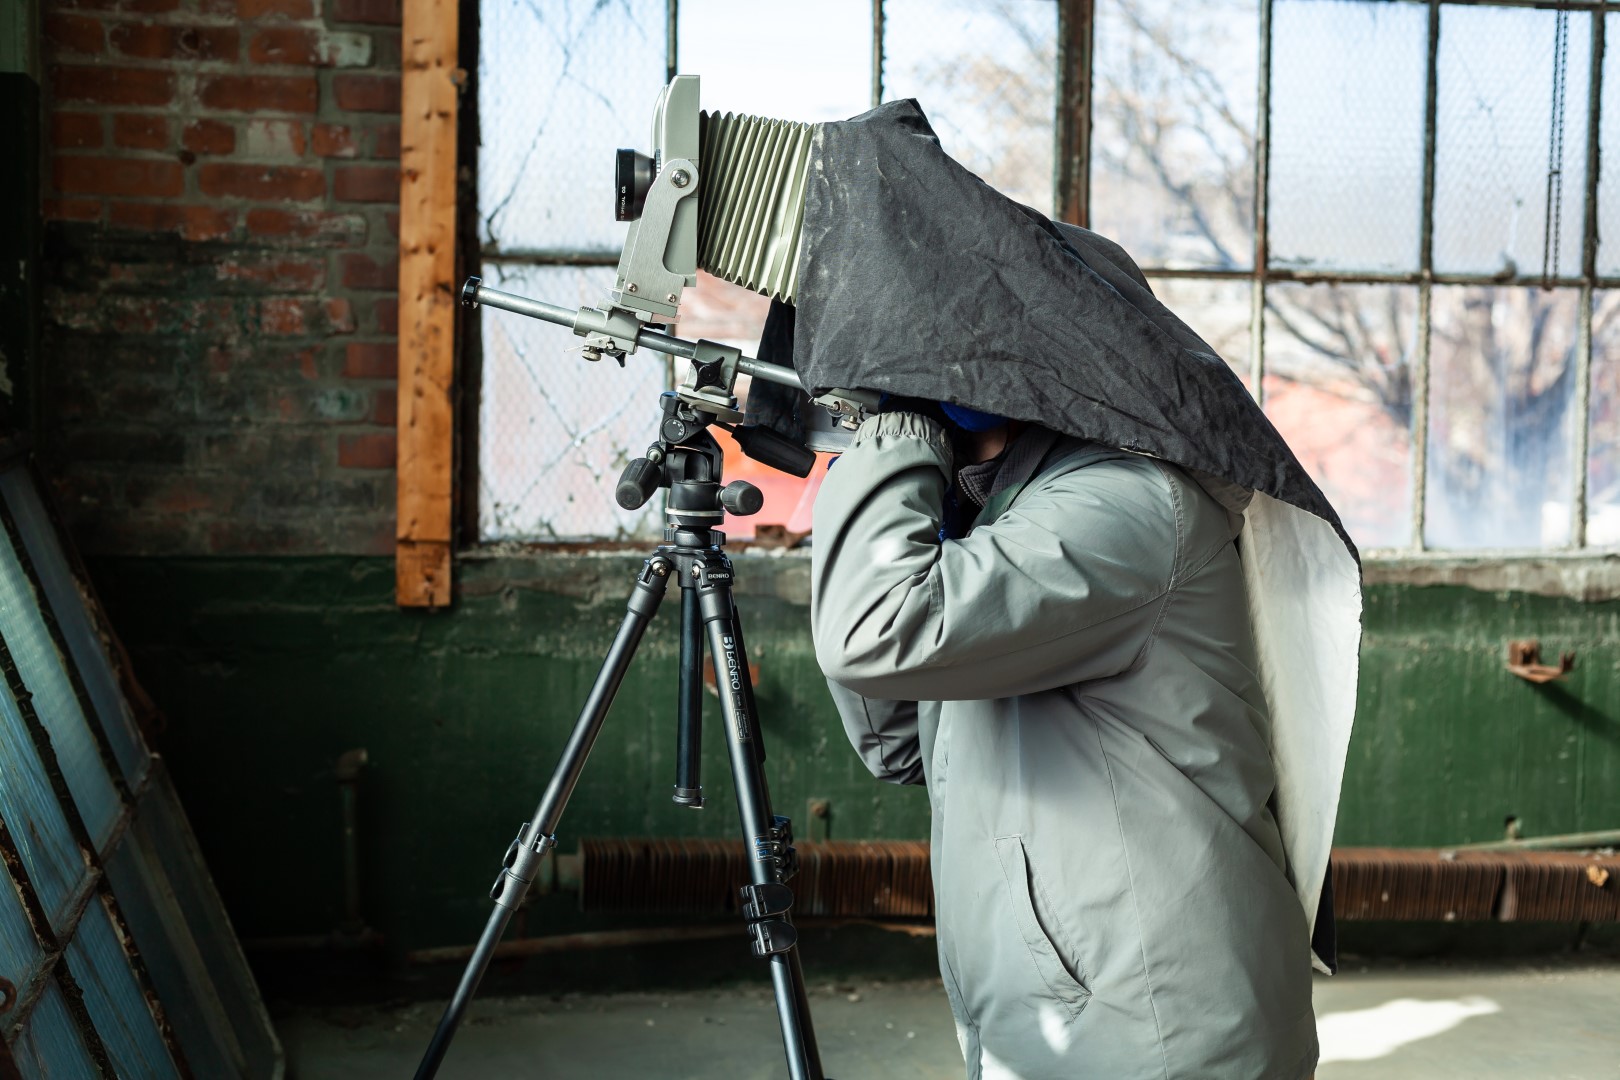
pixel 919 279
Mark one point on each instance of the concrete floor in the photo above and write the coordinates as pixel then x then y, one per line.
pixel 1546 1020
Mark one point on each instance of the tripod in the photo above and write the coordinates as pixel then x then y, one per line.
pixel 688 461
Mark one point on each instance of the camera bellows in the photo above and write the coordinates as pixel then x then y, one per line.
pixel 751 204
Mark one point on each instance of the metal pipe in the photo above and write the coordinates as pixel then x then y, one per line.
pixel 612 939
pixel 1605 838
pixel 1425 316
pixel 575 318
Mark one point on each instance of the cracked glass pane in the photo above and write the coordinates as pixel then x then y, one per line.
pixel 1346 167
pixel 1493 126
pixel 1608 207
pixel 808 63
pixel 561 85
pixel 986 76
pixel 1175 98
pixel 1603 460
pixel 1339 389
pixel 555 430
pixel 1501 387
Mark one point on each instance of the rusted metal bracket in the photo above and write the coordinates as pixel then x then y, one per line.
pixel 1524 660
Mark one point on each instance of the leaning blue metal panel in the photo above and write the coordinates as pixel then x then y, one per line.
pixel 20 951
pixel 44 672
pixel 161 815
pixel 172 949
pixel 73 616
pixel 50 1046
pixel 50 855
pixel 114 999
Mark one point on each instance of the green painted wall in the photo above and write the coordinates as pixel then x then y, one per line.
pixel 268 669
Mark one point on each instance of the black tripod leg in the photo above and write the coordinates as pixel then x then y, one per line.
pixel 522 860
pixel 689 721
pixel 768 901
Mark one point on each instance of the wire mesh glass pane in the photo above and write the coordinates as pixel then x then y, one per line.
pixel 1495 124
pixel 1174 89
pixel 1346 167
pixel 1219 311
pixel 1608 207
pixel 45 675
pixel 986 75
pixel 1603 460
pixel 561 85
pixel 114 999
pixel 555 430
pixel 1339 388
pixel 806 62
pixel 36 821
pixel 50 1045
pixel 1501 386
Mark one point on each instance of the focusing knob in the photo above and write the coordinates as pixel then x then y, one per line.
pixel 741 498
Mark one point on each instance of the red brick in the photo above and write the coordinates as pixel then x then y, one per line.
pixel 191 222
pixel 73 131
pixel 377 12
pixel 273 139
pixel 292 9
pixel 118 176
pixel 385 142
pixel 268 183
pixel 349 229
pixel 209 137
pixel 284 316
pixel 260 93
pixel 385 313
pixel 367 93
pixel 385 407
pixel 376 451
pixel 72 209
pixel 371 360
pixel 75 33
pixel 136 132
pixel 286 45
pixel 113 86
pixel 364 272
pixel 278 273
pixel 340 316
pixel 150 41
pixel 333 140
pixel 366 183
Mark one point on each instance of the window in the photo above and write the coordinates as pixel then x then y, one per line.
pixel 1383 214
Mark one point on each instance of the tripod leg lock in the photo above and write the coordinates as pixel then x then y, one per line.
pixel 520 867
pixel 765 907
pixel 776 847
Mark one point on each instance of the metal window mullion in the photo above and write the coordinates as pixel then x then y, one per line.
pixel 1262 206
pixel 1071 157
pixel 1420 361
pixel 672 51
pixel 877 53
pixel 1581 409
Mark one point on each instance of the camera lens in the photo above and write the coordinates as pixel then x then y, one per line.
pixel 632 177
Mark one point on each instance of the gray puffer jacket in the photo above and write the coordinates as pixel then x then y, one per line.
pixel 1075 682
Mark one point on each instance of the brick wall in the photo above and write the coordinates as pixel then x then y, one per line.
pixel 221 193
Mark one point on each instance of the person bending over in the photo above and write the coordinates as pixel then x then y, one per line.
pixel 1053 636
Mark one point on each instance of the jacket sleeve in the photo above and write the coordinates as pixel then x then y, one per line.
pixel 1066 586
pixel 883 733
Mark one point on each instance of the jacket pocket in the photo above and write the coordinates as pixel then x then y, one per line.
pixel 1042 935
